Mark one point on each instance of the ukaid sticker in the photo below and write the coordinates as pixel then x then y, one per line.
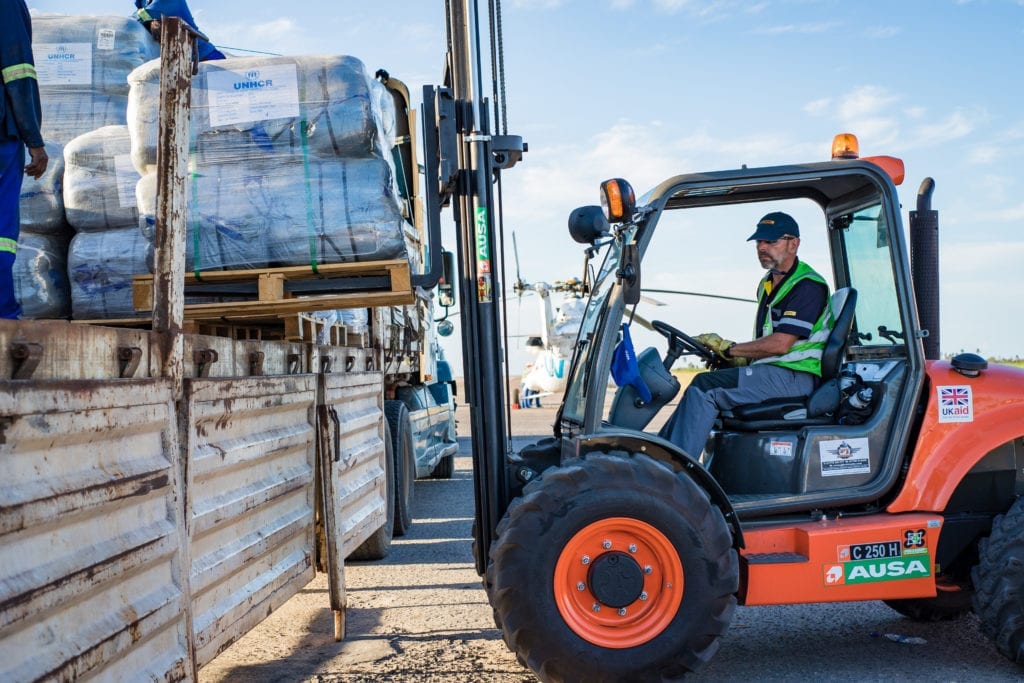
pixel 844 456
pixel 956 404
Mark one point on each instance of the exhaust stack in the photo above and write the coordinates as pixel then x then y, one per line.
pixel 924 266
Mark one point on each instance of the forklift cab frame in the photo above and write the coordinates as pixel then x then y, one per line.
pixel 778 469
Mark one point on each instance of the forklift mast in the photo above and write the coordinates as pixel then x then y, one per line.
pixel 463 162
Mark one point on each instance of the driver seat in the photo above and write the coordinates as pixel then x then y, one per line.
pixel 818 408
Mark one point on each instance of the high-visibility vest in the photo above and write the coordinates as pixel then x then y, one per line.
pixel 805 354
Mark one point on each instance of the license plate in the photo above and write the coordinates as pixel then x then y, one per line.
pixel 875 551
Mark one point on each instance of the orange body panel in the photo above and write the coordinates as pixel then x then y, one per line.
pixel 950 444
pixel 879 557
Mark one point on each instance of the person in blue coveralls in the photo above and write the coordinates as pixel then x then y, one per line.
pixel 151 12
pixel 20 120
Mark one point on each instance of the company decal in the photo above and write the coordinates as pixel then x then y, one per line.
pixel 903 558
pixel 63 63
pixel 782 448
pixel 956 404
pixel 250 95
pixel 844 456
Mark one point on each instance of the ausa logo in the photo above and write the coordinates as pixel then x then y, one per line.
pixel 869 571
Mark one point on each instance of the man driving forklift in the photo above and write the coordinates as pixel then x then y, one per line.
pixel 782 361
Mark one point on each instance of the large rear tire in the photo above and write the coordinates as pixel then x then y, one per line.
pixel 378 545
pixel 405 463
pixel 613 568
pixel 999 583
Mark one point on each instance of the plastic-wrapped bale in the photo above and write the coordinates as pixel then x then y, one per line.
pixel 101 266
pixel 356 320
pixel 41 276
pixel 255 106
pixel 286 213
pixel 99 181
pixel 82 64
pixel 41 205
pixel 229 211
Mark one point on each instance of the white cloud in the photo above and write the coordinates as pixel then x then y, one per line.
pixel 818 107
pixel 810 28
pixel 882 32
pixel 866 100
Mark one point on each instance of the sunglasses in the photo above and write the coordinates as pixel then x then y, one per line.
pixel 784 238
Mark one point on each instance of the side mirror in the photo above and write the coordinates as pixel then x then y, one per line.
pixel 445 288
pixel 445 328
pixel 587 224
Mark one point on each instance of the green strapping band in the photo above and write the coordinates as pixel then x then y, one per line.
pixel 7 244
pixel 309 196
pixel 144 15
pixel 17 71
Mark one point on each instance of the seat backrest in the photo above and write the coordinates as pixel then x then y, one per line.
pixel 843 303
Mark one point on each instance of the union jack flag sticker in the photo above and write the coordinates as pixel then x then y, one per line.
pixel 956 404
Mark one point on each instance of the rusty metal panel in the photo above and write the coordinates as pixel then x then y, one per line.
pixel 357 486
pixel 251 445
pixel 64 350
pixel 91 574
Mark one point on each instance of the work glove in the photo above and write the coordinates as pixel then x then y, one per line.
pixel 716 344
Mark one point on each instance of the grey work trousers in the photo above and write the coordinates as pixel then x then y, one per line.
pixel 711 392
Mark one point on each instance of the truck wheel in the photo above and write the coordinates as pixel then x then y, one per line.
pixel 405 463
pixel 999 583
pixel 613 568
pixel 377 546
pixel 445 468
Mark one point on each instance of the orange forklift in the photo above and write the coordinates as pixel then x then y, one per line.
pixel 607 553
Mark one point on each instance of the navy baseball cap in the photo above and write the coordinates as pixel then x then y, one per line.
pixel 775 225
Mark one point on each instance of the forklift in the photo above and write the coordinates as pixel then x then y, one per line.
pixel 607 553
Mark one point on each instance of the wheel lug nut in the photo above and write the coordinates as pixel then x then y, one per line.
pixel 622 611
pixel 581 586
pixel 586 559
pixel 643 596
pixel 647 569
pixel 606 545
pixel 597 607
pixel 632 547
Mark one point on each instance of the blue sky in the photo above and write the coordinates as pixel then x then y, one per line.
pixel 646 89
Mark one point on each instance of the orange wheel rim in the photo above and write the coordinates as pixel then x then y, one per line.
pixel 642 619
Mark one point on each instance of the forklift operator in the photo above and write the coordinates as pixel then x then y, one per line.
pixel 783 361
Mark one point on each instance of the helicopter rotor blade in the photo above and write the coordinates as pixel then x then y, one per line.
pixel 643 322
pixel 704 294
pixel 652 301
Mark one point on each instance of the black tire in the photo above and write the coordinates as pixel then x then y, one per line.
pixel 377 546
pixel 550 567
pixel 999 583
pixel 405 463
pixel 444 469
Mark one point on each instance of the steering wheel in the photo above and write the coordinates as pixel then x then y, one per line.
pixel 681 344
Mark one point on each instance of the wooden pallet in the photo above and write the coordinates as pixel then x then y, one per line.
pixel 274 301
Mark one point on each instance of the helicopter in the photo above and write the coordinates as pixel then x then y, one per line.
pixel 546 373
